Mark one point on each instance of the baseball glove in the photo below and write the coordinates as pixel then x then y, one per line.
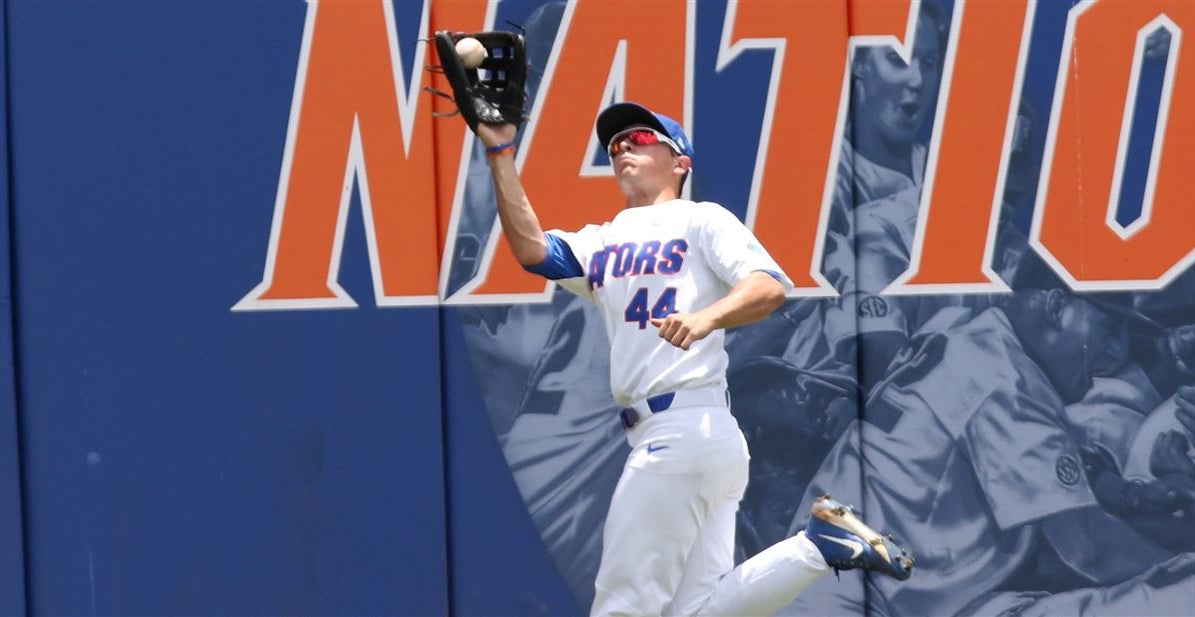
pixel 493 93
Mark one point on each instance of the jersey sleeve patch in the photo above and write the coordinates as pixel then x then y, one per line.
pixel 560 262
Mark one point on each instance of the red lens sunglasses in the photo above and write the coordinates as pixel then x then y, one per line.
pixel 639 136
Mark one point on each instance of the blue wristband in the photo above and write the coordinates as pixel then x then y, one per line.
pixel 500 147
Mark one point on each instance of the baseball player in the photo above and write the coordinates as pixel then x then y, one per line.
pixel 668 276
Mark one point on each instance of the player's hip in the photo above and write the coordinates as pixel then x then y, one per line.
pixel 688 439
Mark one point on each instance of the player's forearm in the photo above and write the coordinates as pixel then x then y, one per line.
pixel 753 299
pixel 1158 510
pixel 519 223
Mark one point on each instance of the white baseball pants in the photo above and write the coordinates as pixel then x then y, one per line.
pixel 668 544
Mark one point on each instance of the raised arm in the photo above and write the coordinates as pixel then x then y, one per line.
pixel 519 223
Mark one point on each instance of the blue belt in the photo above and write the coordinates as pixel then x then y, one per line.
pixel 630 415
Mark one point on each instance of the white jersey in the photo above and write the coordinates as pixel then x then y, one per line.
pixel 649 262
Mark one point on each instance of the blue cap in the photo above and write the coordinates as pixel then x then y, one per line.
pixel 619 116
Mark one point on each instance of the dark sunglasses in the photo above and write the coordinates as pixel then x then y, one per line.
pixel 639 136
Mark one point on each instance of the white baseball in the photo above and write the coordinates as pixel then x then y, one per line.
pixel 471 51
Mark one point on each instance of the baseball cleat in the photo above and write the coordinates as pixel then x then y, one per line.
pixel 847 543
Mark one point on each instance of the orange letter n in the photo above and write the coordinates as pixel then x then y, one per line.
pixel 353 116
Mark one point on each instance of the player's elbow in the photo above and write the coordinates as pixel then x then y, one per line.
pixel 529 251
pixel 771 293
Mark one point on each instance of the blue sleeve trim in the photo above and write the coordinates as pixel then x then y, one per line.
pixel 560 262
pixel 772 273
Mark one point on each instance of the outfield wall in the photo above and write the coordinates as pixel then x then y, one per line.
pixel 264 351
